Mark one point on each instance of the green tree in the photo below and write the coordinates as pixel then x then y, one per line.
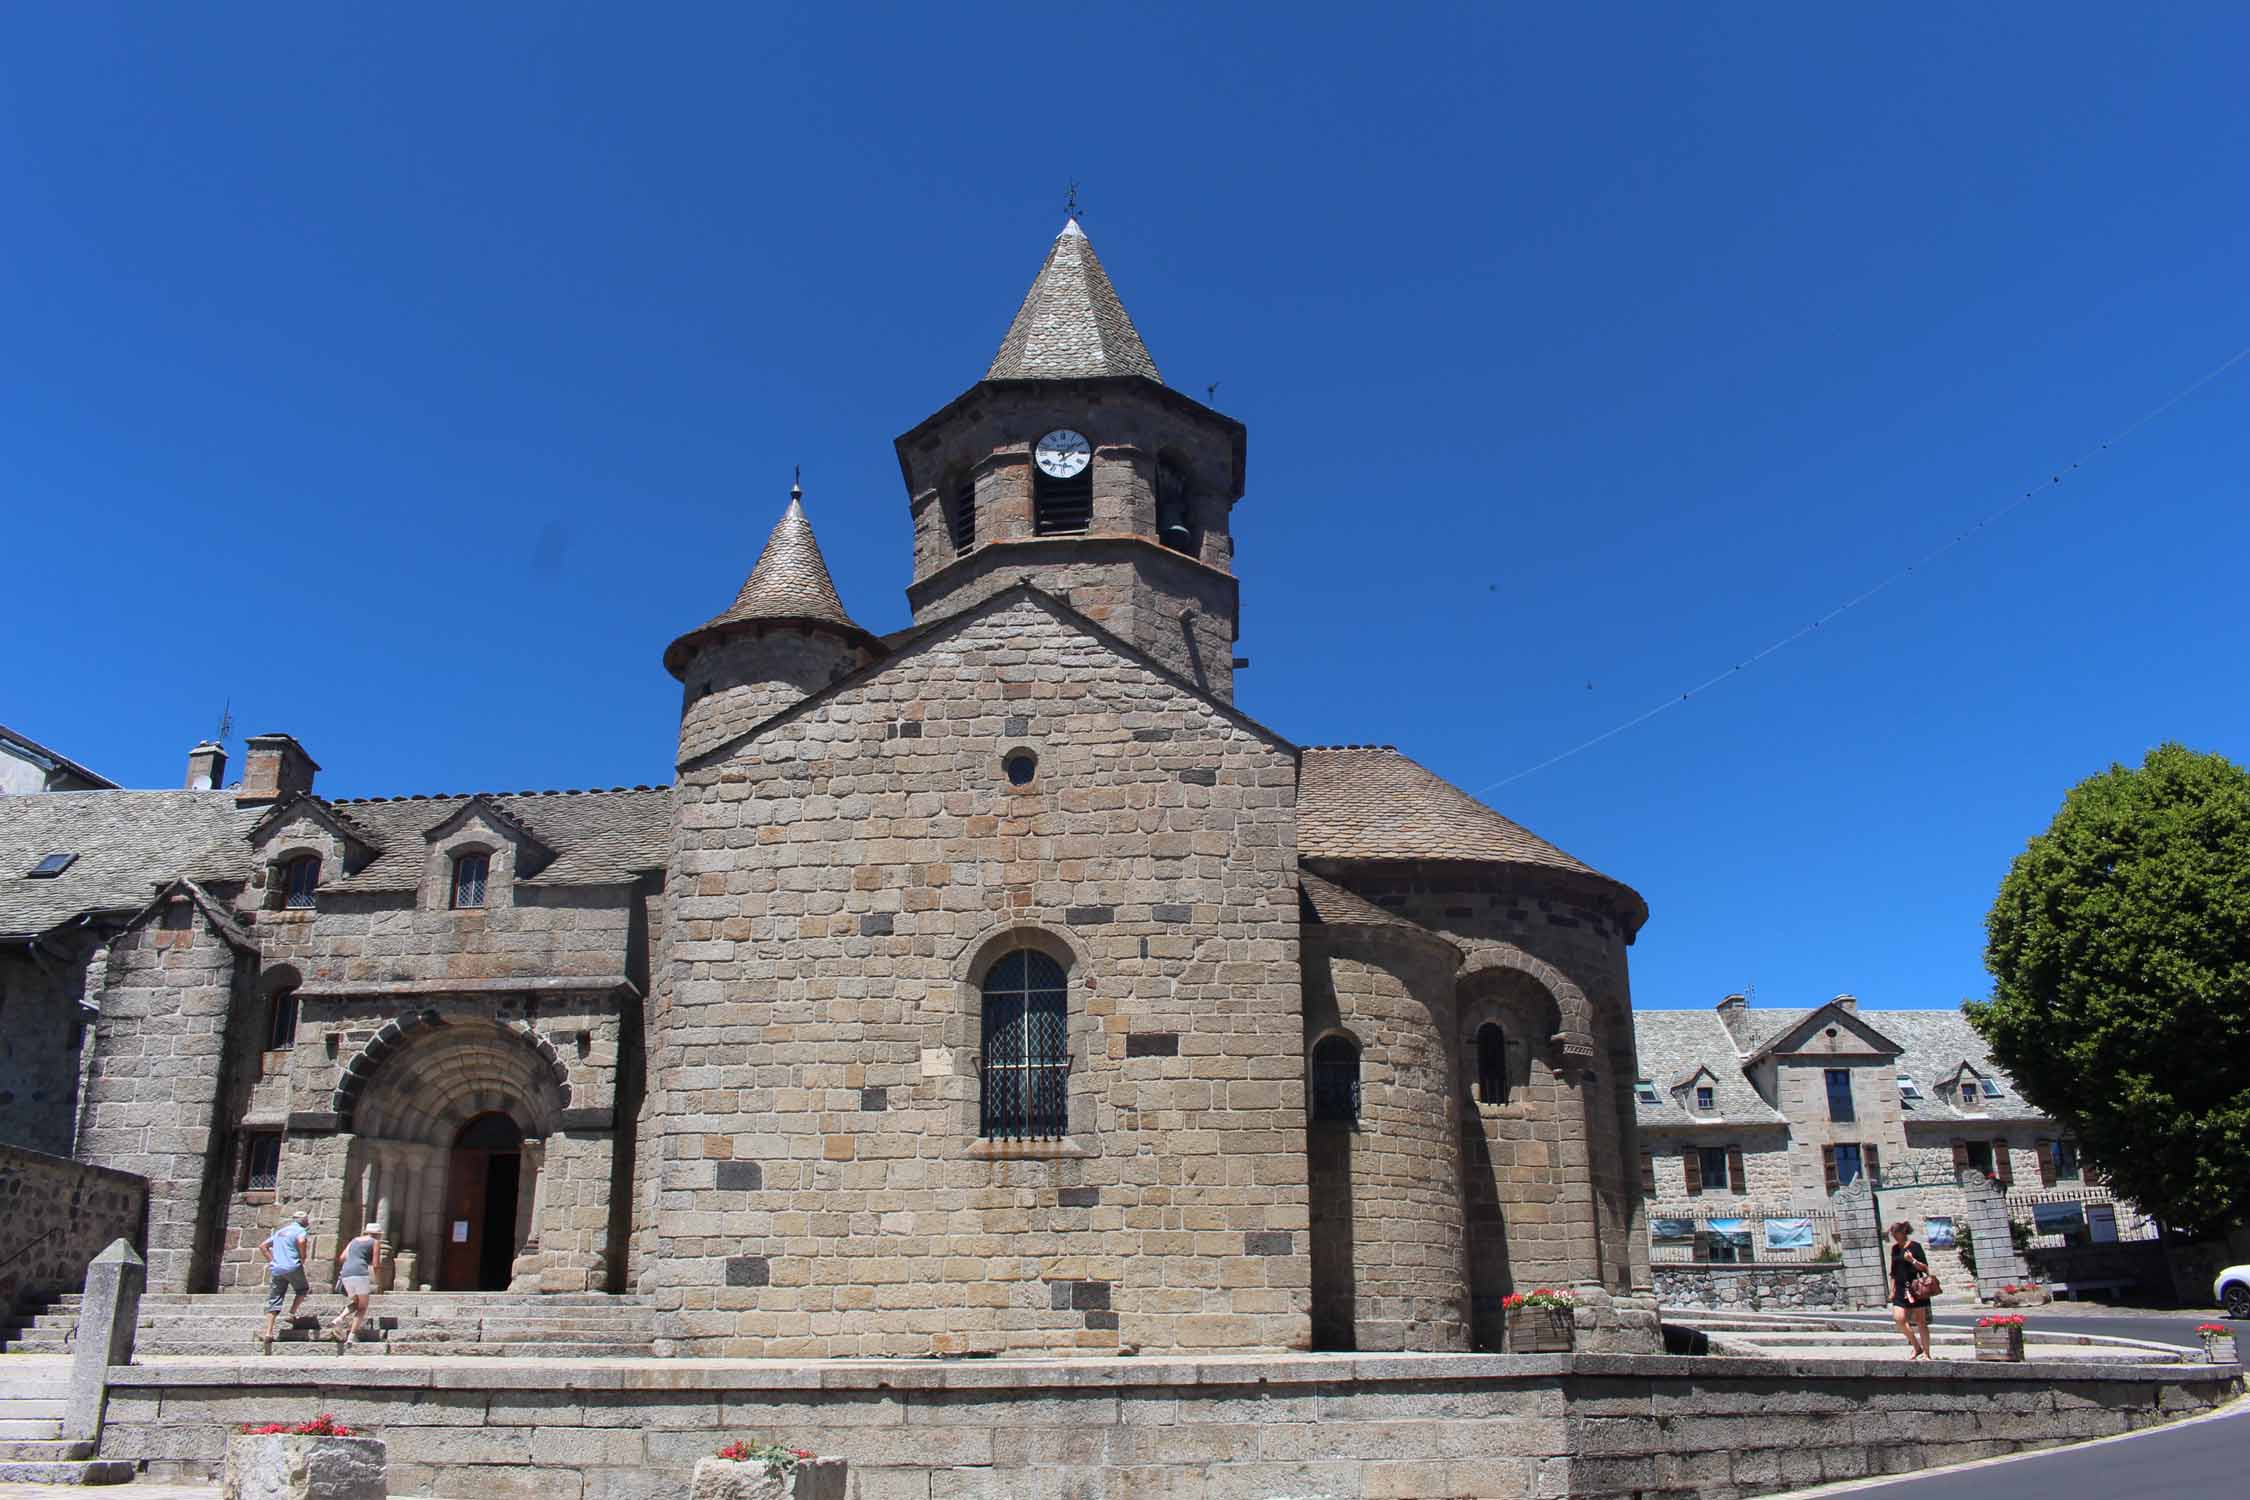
pixel 2120 956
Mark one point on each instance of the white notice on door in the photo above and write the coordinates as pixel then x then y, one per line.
pixel 460 1231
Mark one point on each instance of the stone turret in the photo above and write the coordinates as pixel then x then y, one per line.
pixel 785 637
pixel 1073 467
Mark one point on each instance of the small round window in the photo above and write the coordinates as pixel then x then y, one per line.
pixel 1021 766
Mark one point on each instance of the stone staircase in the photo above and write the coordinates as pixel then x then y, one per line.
pixel 32 1450
pixel 493 1324
pixel 1780 1336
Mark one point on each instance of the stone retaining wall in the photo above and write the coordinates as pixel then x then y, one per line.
pixel 56 1215
pixel 1752 1287
pixel 1344 1427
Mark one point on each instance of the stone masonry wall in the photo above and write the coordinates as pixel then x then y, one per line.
pixel 838 889
pixel 1752 1287
pixel 158 1074
pixel 56 1215
pixel 1391 1187
pixel 738 681
pixel 1381 1427
pixel 41 1026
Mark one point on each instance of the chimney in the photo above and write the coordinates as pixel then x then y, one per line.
pixel 1734 1011
pixel 206 766
pixel 274 766
pixel 1848 1003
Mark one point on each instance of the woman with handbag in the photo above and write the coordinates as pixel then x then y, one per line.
pixel 1912 1287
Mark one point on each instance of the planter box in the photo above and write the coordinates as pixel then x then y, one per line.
pixel 2220 1349
pixel 724 1479
pixel 2039 1298
pixel 2000 1344
pixel 1540 1330
pixel 284 1466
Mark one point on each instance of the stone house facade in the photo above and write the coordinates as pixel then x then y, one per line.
pixel 993 985
pixel 1748 1114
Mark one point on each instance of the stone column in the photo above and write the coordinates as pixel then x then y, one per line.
pixel 1867 1268
pixel 524 1271
pixel 108 1317
pixel 1999 1262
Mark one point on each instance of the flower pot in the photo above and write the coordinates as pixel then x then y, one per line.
pixel 2000 1344
pixel 291 1466
pixel 1540 1330
pixel 725 1479
pixel 2038 1297
pixel 2220 1349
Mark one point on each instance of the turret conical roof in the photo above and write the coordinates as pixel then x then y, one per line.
pixel 1071 324
pixel 790 582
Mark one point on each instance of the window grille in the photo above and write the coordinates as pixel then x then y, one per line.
pixel 1062 507
pixel 262 1163
pixel 1335 1081
pixel 1025 1065
pixel 1492 1065
pixel 281 1020
pixel 961 513
pixel 469 875
pixel 299 878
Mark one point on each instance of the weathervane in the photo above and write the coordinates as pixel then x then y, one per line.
pixel 1070 204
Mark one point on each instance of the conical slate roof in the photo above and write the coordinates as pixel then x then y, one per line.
pixel 1071 324
pixel 790 582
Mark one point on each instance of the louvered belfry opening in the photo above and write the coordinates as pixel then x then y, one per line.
pixel 961 513
pixel 1025 1065
pixel 1062 507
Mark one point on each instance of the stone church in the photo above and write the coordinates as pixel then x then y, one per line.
pixel 993 985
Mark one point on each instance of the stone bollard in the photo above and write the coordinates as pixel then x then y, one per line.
pixel 304 1466
pixel 107 1319
pixel 727 1479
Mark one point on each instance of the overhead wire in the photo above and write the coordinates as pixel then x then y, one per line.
pixel 2054 479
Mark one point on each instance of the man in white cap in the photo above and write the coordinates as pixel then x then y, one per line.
pixel 286 1250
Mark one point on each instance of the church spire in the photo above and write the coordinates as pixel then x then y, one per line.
pixel 1071 324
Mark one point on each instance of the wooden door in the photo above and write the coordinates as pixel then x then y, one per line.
pixel 464 1220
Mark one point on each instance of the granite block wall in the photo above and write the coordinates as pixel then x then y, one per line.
pixel 56 1215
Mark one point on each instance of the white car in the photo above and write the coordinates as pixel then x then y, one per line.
pixel 2232 1291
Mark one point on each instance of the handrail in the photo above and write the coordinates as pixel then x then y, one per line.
pixel 23 1250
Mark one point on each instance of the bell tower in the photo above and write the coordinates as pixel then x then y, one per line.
pixel 1071 466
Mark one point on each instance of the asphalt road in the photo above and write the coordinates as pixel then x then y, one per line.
pixel 2171 1463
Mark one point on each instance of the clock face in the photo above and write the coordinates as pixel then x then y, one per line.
pixel 1061 454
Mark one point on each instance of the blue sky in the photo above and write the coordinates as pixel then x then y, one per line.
pixel 411 378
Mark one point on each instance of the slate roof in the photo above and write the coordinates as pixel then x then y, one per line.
pixel 1071 325
pixel 790 582
pixel 1674 1043
pixel 38 751
pixel 599 837
pixel 128 844
pixel 1329 904
pixel 1368 802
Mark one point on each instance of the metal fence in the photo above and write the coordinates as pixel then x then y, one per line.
pixel 2063 1216
pixel 1717 1239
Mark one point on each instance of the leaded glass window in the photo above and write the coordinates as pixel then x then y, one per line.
pixel 469 875
pixel 1026 1059
pixel 299 878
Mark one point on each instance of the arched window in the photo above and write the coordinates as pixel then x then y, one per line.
pixel 960 502
pixel 1062 507
pixel 1025 1064
pixel 470 870
pixel 281 1019
pixel 1492 1064
pixel 1335 1081
pixel 299 878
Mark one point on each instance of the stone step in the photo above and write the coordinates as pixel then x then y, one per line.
pixel 43 1450
pixel 15 1429
pixel 65 1471
pixel 31 1408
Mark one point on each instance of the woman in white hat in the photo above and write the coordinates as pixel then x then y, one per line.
pixel 355 1276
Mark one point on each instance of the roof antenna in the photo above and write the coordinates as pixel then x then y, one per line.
pixel 1211 394
pixel 226 723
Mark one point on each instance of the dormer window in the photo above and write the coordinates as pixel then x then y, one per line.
pixel 472 870
pixel 1062 484
pixel 1968 1093
pixel 1705 1103
pixel 300 877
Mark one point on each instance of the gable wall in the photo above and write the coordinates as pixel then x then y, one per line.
pixel 824 1190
